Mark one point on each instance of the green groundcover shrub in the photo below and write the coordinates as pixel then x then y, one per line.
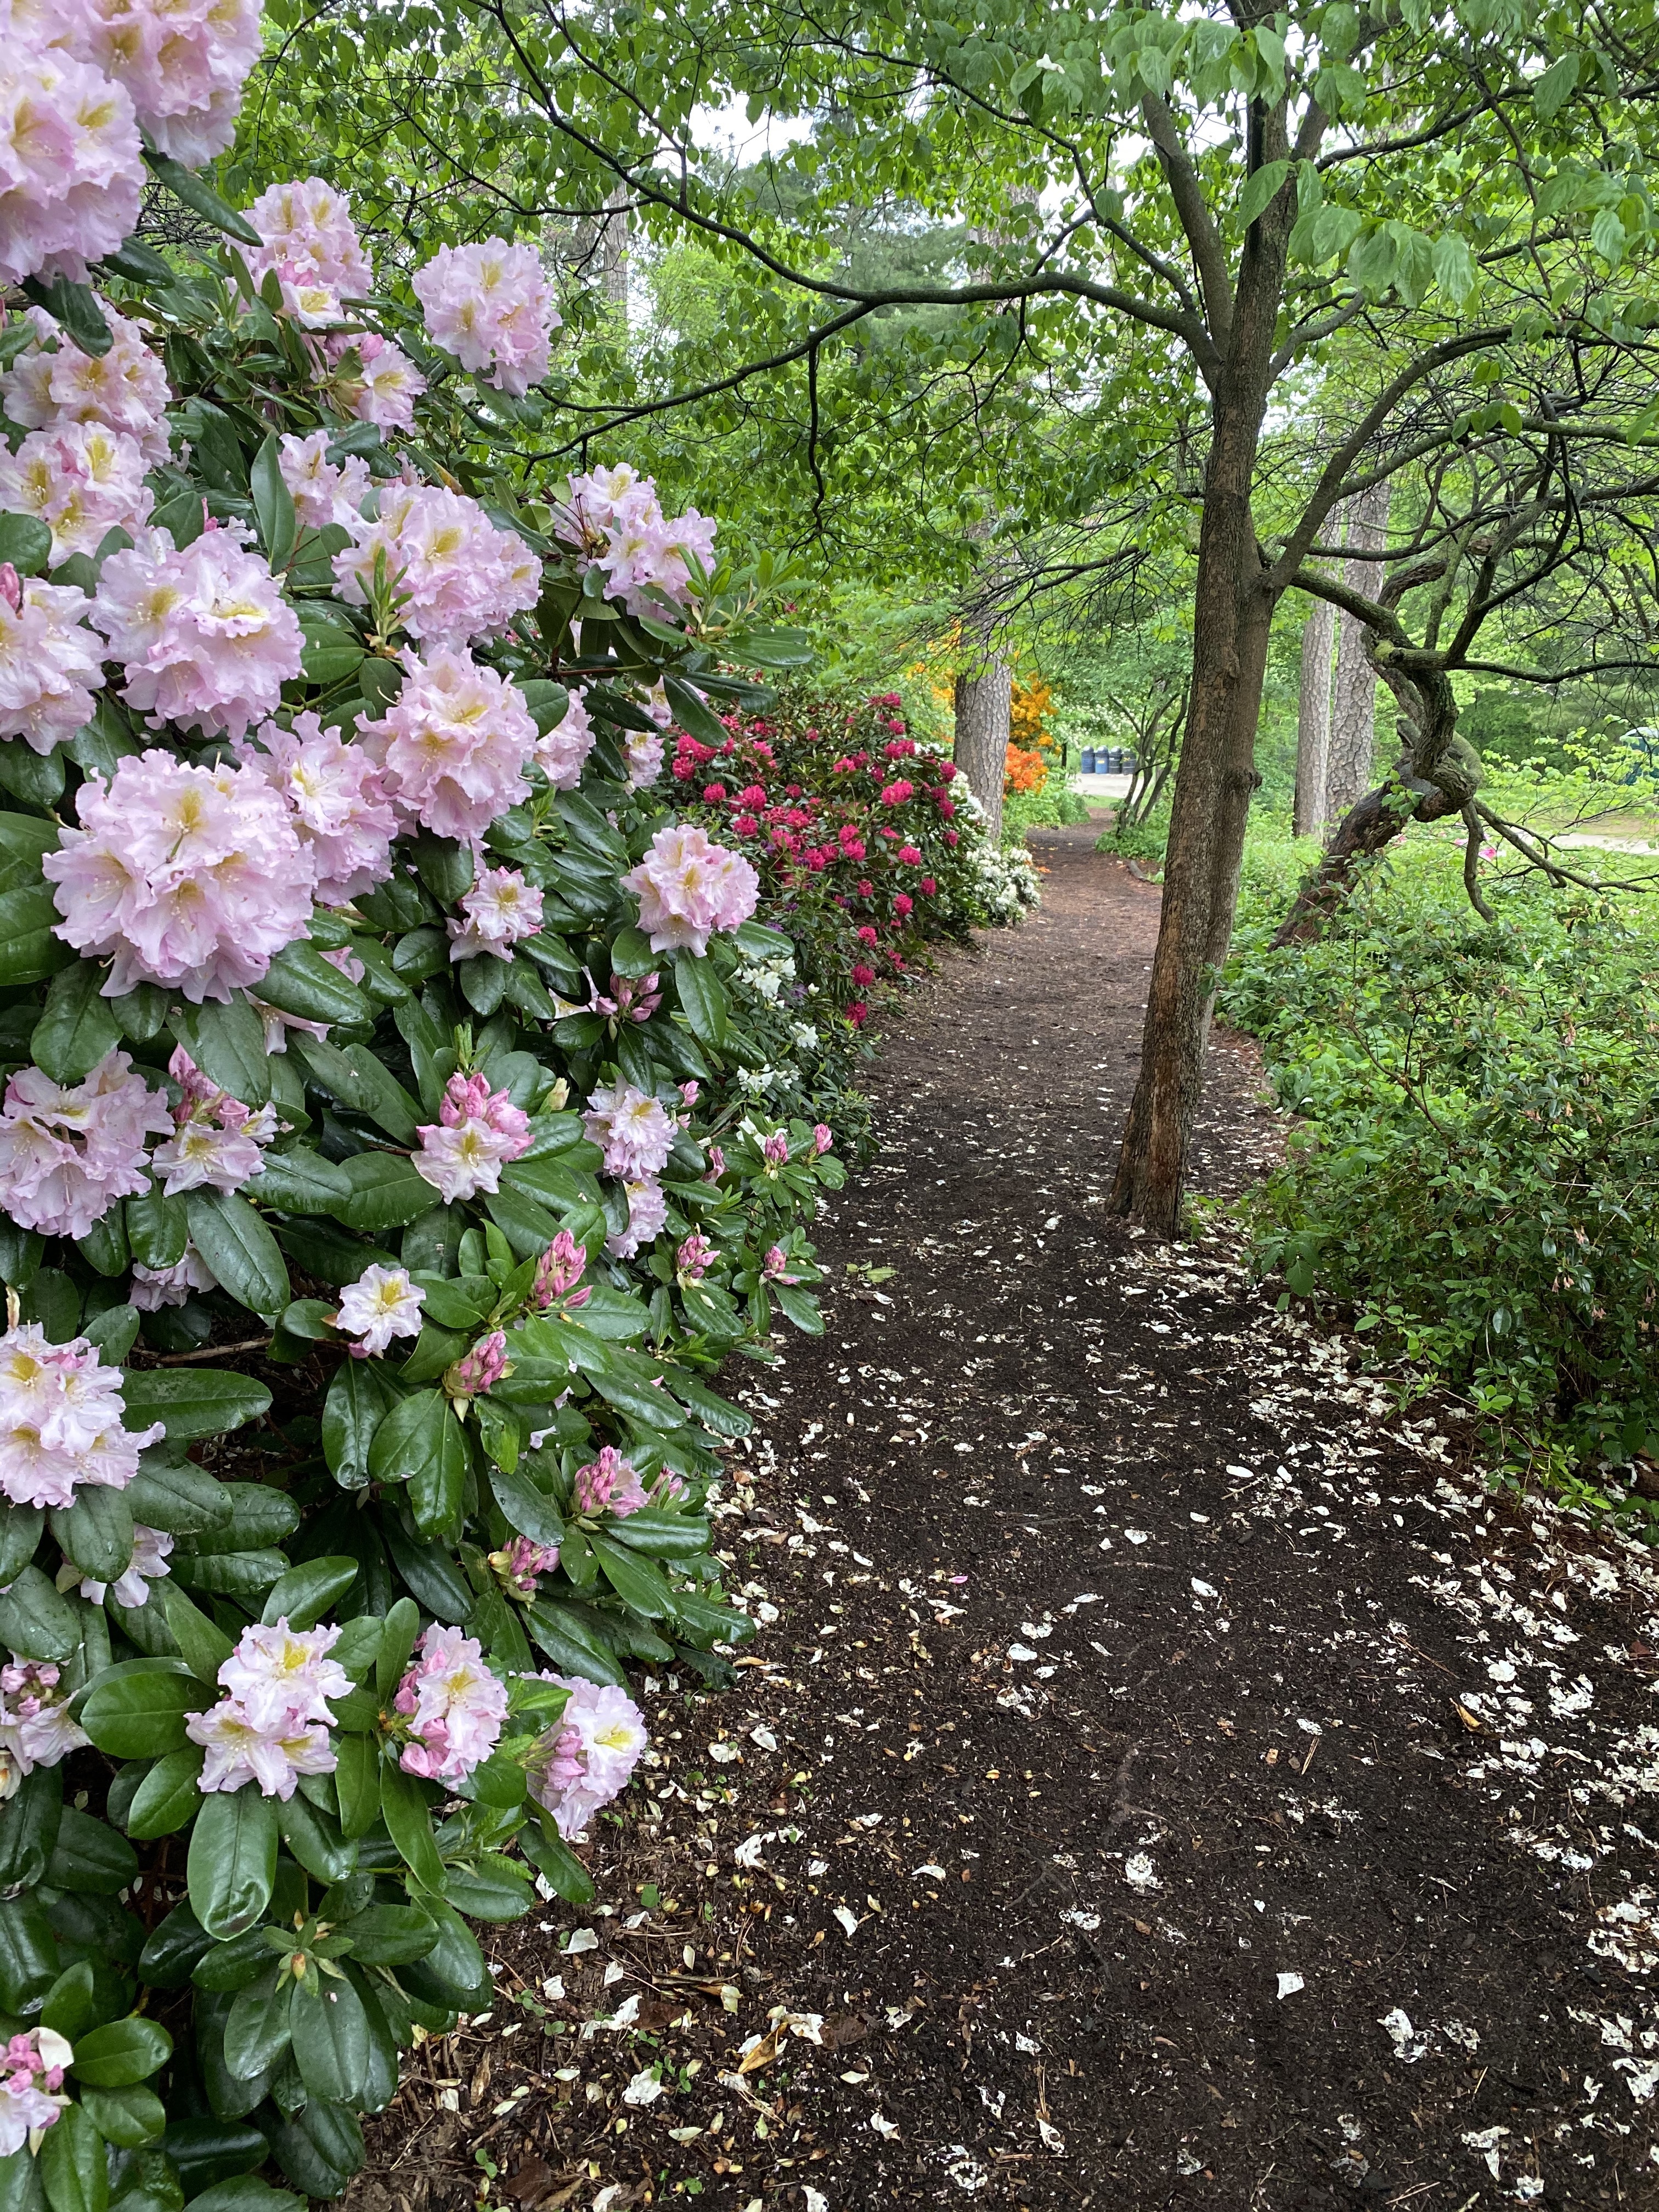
pixel 1474 1174
pixel 407 1112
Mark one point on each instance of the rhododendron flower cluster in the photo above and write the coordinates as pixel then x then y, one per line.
pixel 454 745
pixel 192 876
pixel 642 750
pixel 479 1370
pixel 60 1421
pixel 81 480
pixel 72 169
pixel 501 910
pixel 35 1727
pixel 588 1757
pixel 456 576
pixel 151 1550
pixel 558 1272
pixel 68 1151
pixel 477 1131
pixel 31 2076
pixel 374 380
pixel 272 1726
pixel 182 63
pixel 217 1143
pixel 382 1304
pixel 54 384
pixel 689 888
pixel 310 242
pixel 696 1256
pixel 50 663
pixel 492 307
pixel 336 806
pixel 615 517
pixel 322 491
pixel 648 1216
pixel 634 1132
pixel 451 1706
pixel 202 632
pixel 561 754
pixel 521 1564
pixel 153 1289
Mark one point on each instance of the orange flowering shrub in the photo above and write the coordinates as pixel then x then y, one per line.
pixel 1024 771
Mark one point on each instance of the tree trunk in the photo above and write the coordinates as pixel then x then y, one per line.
pixel 983 704
pixel 1313 721
pixel 1353 698
pixel 1232 618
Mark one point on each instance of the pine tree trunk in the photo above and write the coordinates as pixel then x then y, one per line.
pixel 1313 721
pixel 1353 694
pixel 983 706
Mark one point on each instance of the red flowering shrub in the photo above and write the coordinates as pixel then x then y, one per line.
pixel 861 863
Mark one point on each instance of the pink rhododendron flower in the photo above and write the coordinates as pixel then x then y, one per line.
pixel 477 1132
pixel 187 875
pixel 31 2076
pixel 588 1757
pixel 716 1167
pixel 336 805
pixel 609 1484
pixel 454 745
pixel 479 1370
pixel 452 1705
pixel 648 1211
pixel 635 1132
pixel 68 1151
pixel 928 886
pixel 902 905
pixel 217 1142
pixel 695 1257
pixel 823 1137
pixel 774 1150
pixel 642 750
pixel 501 910
pixel 689 888
pixel 307 230
pixel 275 1755
pixel 322 491
pixel 858 1013
pixel 492 307
pixel 614 518
pixel 558 1272
pixel 521 1561
pixel 563 753
pixel 204 634
pixel 277 1672
pixel 863 974
pixel 50 663
pixel 182 62
pixel 71 170
pixel 910 856
pixel 151 1548
pixel 374 380
pixel 458 575
pixel 154 1288
pixel 953 837
pixel 380 1304
pixel 35 1727
pixel 55 384
pixel 773 1267
pixel 60 1421
pixel 81 481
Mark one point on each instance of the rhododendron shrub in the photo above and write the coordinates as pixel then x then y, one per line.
pixel 393 1145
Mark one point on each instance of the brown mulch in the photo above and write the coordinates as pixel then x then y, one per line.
pixel 1163 1777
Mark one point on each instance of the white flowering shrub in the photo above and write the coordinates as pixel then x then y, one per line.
pixel 403 1115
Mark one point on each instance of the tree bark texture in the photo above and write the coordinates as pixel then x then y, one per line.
pixel 984 701
pixel 1313 721
pixel 1233 613
pixel 1353 696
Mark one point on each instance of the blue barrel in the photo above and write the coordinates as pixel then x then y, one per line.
pixel 1088 760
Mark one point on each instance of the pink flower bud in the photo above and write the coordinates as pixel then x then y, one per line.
pixel 823 1138
pixel 558 1271
pixel 479 1370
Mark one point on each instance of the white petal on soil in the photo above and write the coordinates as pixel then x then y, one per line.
pixel 582 1939
pixel 643 2089
pixel 1289 1985
pixel 1140 1872
pixel 936 1872
pixel 848 1920
pixel 1052 2138
pixel 1021 1651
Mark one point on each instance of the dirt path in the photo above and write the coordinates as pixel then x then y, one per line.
pixel 1162 1780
